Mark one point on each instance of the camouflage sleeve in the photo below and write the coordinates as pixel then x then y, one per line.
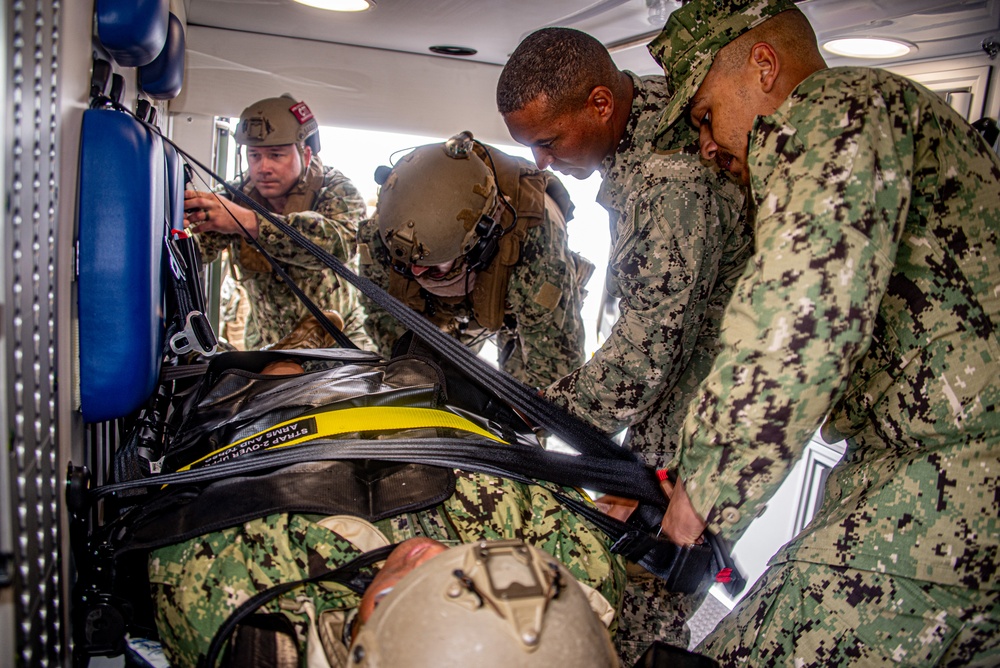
pixel 382 327
pixel 332 225
pixel 665 264
pixel 545 298
pixel 197 584
pixel 833 182
pixel 210 244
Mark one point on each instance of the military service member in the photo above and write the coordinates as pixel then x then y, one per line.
pixel 476 241
pixel 288 179
pixel 679 242
pixel 199 582
pixel 872 307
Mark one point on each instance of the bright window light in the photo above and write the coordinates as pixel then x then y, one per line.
pixel 869 47
pixel 339 5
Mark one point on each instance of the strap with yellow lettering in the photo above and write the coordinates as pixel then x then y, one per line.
pixel 341 421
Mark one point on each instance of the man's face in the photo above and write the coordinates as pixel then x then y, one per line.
pixel 407 556
pixel 274 170
pixel 571 142
pixel 723 110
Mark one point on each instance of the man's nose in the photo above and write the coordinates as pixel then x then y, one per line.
pixel 708 147
pixel 542 157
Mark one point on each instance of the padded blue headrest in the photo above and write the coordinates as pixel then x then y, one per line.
pixel 122 209
pixel 133 31
pixel 162 79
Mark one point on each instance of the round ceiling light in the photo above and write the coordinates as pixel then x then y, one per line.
pixel 339 5
pixel 448 50
pixel 869 47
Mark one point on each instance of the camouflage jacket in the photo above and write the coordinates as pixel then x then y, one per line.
pixel 679 242
pixel 543 334
pixel 197 584
pixel 872 297
pixel 331 222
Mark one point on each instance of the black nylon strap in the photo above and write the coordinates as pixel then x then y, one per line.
pixel 478 454
pixel 344 575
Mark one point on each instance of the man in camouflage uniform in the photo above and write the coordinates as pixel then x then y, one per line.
pixel 476 241
pixel 679 242
pixel 286 178
pixel 198 583
pixel 871 303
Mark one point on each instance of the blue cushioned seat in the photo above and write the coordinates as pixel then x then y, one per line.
pixel 122 212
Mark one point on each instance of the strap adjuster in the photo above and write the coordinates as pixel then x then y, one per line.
pixel 197 335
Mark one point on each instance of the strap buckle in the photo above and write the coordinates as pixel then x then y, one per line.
pixel 197 335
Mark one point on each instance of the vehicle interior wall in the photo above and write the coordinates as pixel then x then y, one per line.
pixel 345 85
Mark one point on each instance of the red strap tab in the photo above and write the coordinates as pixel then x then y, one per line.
pixel 661 474
pixel 301 112
pixel 725 575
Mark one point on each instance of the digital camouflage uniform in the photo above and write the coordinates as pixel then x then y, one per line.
pixel 679 242
pixel 543 336
pixel 873 297
pixel 197 584
pixel 330 222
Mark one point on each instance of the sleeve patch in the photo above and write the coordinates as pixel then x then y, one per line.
pixel 548 296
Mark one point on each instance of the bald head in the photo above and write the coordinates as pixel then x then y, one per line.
pixel 562 64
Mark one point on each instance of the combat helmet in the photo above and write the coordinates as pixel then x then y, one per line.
pixel 279 121
pixel 440 202
pixel 484 604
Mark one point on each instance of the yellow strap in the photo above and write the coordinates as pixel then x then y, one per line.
pixel 368 418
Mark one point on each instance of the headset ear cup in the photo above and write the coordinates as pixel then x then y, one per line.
pixel 486 248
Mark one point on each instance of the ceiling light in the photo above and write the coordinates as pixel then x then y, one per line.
pixel 339 5
pixel 448 50
pixel 869 47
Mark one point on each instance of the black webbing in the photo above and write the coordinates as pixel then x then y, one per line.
pixel 468 454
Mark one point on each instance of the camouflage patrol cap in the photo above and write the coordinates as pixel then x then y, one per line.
pixel 276 121
pixel 692 37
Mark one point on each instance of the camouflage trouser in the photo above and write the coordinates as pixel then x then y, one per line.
pixel 804 615
pixel 651 612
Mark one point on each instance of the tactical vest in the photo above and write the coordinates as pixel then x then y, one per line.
pixel 525 188
pixel 302 197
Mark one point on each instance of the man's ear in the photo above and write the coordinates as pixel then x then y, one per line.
pixel 307 154
pixel 603 101
pixel 764 60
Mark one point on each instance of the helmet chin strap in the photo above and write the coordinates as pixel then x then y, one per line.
pixel 301 148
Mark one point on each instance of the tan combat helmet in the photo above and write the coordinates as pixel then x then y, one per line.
pixel 497 603
pixel 277 121
pixel 439 203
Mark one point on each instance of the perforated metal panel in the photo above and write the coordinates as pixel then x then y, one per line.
pixel 30 177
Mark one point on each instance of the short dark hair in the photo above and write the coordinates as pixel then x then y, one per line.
pixel 561 63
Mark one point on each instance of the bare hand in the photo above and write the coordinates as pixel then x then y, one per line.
pixel 681 524
pixel 617 507
pixel 207 212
